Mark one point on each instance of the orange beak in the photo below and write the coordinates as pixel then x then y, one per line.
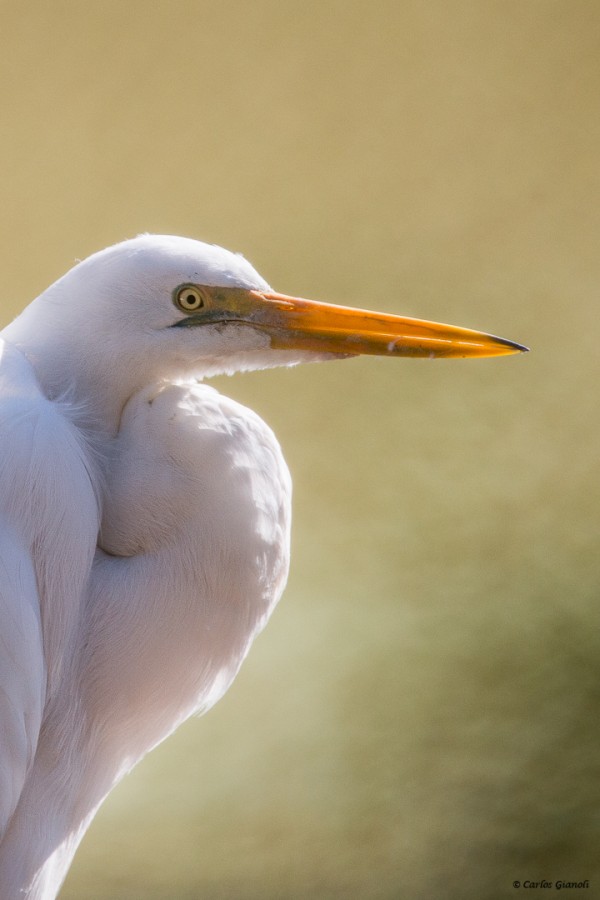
pixel 296 324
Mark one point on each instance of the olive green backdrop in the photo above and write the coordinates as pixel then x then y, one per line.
pixel 421 717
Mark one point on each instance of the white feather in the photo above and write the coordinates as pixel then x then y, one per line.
pixel 144 541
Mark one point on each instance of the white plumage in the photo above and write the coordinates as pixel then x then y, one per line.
pixel 144 518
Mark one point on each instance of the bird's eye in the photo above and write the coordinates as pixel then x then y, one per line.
pixel 189 298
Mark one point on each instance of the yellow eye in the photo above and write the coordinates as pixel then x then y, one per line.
pixel 189 298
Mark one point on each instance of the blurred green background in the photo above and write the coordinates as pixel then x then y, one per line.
pixel 421 717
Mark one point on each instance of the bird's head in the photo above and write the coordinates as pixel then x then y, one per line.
pixel 169 307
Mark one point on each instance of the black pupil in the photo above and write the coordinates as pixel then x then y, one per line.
pixel 191 299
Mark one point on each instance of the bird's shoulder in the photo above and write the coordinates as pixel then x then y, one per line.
pixel 48 527
pixel 24 408
pixel 22 670
pixel 18 382
pixel 48 500
pixel 41 444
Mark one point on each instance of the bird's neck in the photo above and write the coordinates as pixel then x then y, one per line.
pixel 196 529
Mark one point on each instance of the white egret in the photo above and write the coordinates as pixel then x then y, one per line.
pixel 144 534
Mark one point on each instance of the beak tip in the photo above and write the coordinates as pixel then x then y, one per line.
pixel 514 347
